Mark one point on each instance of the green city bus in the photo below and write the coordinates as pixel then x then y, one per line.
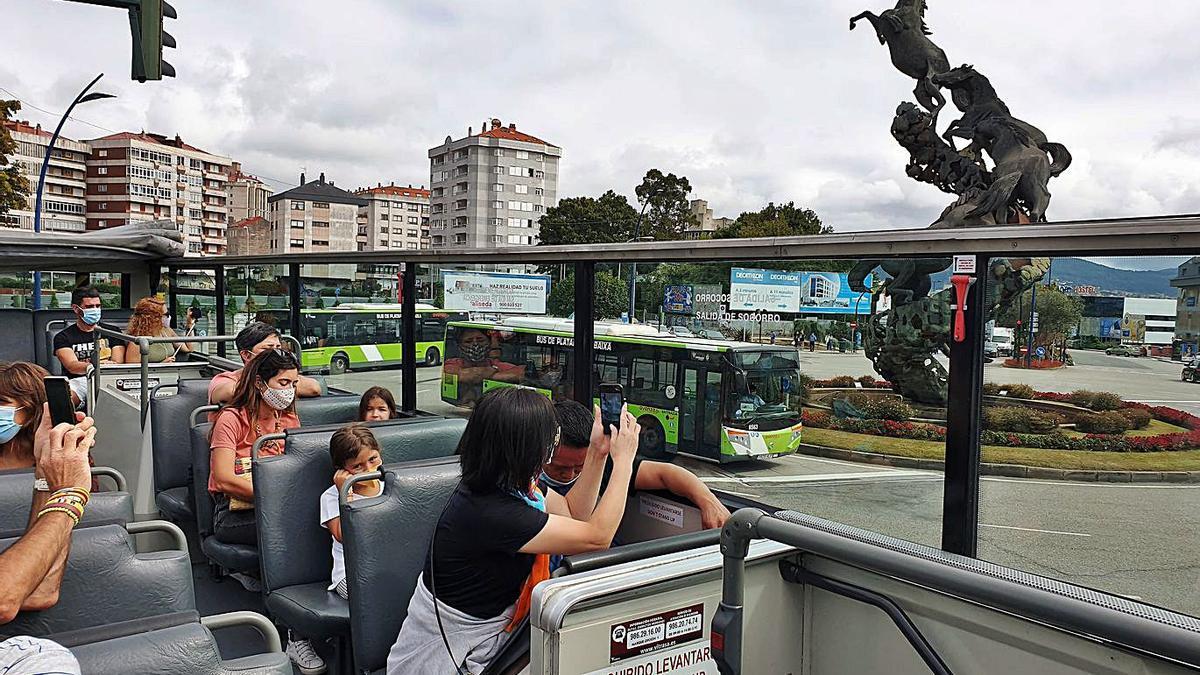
pixel 367 335
pixel 715 399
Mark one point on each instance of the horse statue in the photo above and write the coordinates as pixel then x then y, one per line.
pixel 1023 169
pixel 904 32
pixel 908 277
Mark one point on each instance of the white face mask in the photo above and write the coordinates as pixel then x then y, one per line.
pixel 279 399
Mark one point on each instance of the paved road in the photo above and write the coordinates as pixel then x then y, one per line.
pixel 1134 540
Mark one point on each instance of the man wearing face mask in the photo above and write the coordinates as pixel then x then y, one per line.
pixel 569 461
pixel 75 345
pixel 478 361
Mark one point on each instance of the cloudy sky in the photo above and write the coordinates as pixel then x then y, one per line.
pixel 752 101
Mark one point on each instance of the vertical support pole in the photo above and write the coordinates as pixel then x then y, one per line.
pixel 172 301
pixel 960 500
pixel 219 310
pixel 585 330
pixel 408 338
pixel 127 291
pixel 295 305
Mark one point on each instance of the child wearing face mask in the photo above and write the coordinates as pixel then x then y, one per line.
pixel 353 450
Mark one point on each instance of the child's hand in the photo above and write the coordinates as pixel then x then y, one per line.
pixel 340 477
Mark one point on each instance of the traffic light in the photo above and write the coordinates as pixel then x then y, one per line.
pixel 149 38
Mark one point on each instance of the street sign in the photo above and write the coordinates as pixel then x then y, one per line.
pixel 1041 352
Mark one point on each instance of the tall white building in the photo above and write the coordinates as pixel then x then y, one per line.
pixel 247 195
pixel 490 189
pixel 63 200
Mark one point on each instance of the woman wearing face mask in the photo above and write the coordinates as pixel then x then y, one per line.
pixel 21 397
pixel 150 319
pixel 263 403
pixel 478 360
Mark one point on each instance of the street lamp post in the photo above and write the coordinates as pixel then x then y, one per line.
pixel 633 268
pixel 82 97
pixel 854 333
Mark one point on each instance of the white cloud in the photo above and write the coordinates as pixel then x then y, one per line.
pixel 754 102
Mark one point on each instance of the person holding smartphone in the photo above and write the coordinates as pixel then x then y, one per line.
pixel 22 394
pixel 32 568
pixel 493 541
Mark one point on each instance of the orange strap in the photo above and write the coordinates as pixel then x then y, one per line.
pixel 539 573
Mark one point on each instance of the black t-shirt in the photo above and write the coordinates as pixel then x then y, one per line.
pixel 83 343
pixel 478 567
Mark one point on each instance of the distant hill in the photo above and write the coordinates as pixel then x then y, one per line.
pixel 1110 280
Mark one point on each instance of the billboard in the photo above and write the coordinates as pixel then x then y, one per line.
pixel 794 292
pixel 1110 328
pixel 495 292
pixel 1133 327
pixel 678 300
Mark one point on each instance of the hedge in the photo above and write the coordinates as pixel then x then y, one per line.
pixel 1188 440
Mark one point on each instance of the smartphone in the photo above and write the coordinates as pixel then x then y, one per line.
pixel 58 395
pixel 612 397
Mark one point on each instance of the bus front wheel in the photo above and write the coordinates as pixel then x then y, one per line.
pixel 652 442
pixel 432 356
pixel 339 364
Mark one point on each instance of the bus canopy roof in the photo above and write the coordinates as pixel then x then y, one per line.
pixel 126 248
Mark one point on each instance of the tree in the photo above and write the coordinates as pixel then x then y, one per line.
pixel 785 220
pixel 609 301
pixel 664 201
pixel 1057 312
pixel 585 220
pixel 13 187
pixel 231 307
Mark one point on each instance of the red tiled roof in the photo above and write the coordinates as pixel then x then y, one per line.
pixel 23 127
pixel 511 134
pixel 158 139
pixel 395 191
pixel 252 220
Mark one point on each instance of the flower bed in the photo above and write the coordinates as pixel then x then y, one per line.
pixel 846 382
pixel 1034 364
pixel 1188 440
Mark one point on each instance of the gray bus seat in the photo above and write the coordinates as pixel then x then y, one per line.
pixel 16 495
pixel 327 410
pixel 232 557
pixel 171 442
pixel 176 643
pixel 107 581
pixel 16 329
pixel 382 574
pixel 293 547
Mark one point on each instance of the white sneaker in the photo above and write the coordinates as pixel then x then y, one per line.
pixel 302 654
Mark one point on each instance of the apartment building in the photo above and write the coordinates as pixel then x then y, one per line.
pixel 63 201
pixel 247 195
pixel 134 177
pixel 705 223
pixel 395 218
pixel 316 216
pixel 489 190
pixel 1187 311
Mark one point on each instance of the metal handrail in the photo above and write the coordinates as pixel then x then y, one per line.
pixel 143 526
pixel 143 343
pixel 265 438
pixel 210 408
pixel 117 477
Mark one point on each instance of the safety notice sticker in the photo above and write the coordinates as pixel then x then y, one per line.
pixel 660 509
pixel 656 632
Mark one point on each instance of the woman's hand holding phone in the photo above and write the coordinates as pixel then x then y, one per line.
pixel 624 443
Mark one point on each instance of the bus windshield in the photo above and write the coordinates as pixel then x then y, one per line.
pixel 766 386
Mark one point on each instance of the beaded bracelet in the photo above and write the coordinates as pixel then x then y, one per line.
pixel 60 509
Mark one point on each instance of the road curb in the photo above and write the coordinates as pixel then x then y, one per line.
pixel 1006 470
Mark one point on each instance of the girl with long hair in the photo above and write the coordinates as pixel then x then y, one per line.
pixel 150 319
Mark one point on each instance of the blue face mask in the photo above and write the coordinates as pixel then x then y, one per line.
pixel 91 316
pixel 9 427
pixel 558 486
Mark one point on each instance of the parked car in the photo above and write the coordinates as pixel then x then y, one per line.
pixel 681 331
pixel 991 349
pixel 1123 350
pixel 710 334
